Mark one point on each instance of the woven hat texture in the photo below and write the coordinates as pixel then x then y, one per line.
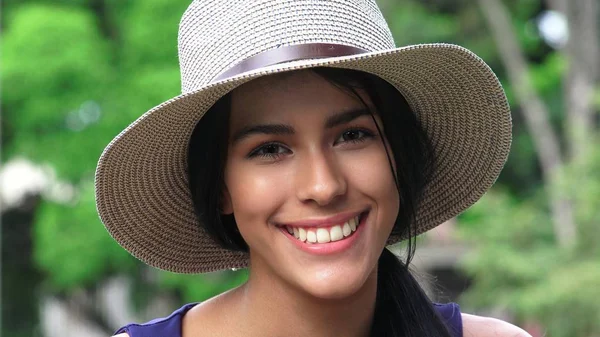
pixel 142 191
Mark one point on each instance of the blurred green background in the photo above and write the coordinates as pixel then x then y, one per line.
pixel 76 72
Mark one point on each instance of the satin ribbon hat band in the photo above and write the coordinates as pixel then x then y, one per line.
pixel 142 191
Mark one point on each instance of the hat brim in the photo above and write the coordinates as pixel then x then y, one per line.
pixel 142 192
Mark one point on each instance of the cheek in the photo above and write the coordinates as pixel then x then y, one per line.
pixel 254 193
pixel 372 174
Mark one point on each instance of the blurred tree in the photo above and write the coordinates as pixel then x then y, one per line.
pixel 517 263
pixel 553 276
pixel 76 73
pixel 20 278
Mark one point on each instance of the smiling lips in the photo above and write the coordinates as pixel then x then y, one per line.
pixel 324 234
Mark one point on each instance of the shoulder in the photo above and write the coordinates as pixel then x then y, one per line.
pixel 477 326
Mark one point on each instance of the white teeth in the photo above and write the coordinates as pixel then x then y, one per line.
pixel 302 233
pixel 346 230
pixel 335 233
pixel 323 235
pixel 352 224
pixel 311 237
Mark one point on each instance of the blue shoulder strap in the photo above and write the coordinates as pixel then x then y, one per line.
pixel 450 314
pixel 161 327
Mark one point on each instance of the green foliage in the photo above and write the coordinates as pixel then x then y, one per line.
pixel 580 183
pixel 517 264
pixel 523 20
pixel 512 242
pixel 74 78
pixel 70 87
pixel 565 301
pixel 546 76
pixel 62 93
pixel 423 25
pixel 194 288
pixel 596 99
pixel 149 34
pixel 55 66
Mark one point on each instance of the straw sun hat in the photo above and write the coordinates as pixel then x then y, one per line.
pixel 142 191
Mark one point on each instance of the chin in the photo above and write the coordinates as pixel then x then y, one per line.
pixel 334 284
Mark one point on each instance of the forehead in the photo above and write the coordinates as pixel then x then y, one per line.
pixel 287 96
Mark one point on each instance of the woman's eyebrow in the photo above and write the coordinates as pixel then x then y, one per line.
pixel 266 129
pixel 284 129
pixel 346 116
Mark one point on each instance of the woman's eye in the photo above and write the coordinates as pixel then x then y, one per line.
pixel 269 151
pixel 354 135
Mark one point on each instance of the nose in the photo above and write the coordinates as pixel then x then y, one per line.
pixel 319 180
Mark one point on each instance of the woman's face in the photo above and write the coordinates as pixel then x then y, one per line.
pixel 305 157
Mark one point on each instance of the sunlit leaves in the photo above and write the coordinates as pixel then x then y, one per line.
pixel 55 64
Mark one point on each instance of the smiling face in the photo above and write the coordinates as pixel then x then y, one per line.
pixel 309 182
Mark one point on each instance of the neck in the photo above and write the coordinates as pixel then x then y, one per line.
pixel 273 307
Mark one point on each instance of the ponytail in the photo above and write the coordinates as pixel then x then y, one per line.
pixel 402 309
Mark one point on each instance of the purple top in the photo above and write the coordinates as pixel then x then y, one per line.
pixel 171 326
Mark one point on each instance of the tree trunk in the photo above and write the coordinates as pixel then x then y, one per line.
pixel 59 319
pixel 582 54
pixel 19 274
pixel 535 114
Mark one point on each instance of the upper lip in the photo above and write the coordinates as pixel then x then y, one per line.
pixel 323 222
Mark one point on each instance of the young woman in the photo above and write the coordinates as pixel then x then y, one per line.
pixel 305 143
